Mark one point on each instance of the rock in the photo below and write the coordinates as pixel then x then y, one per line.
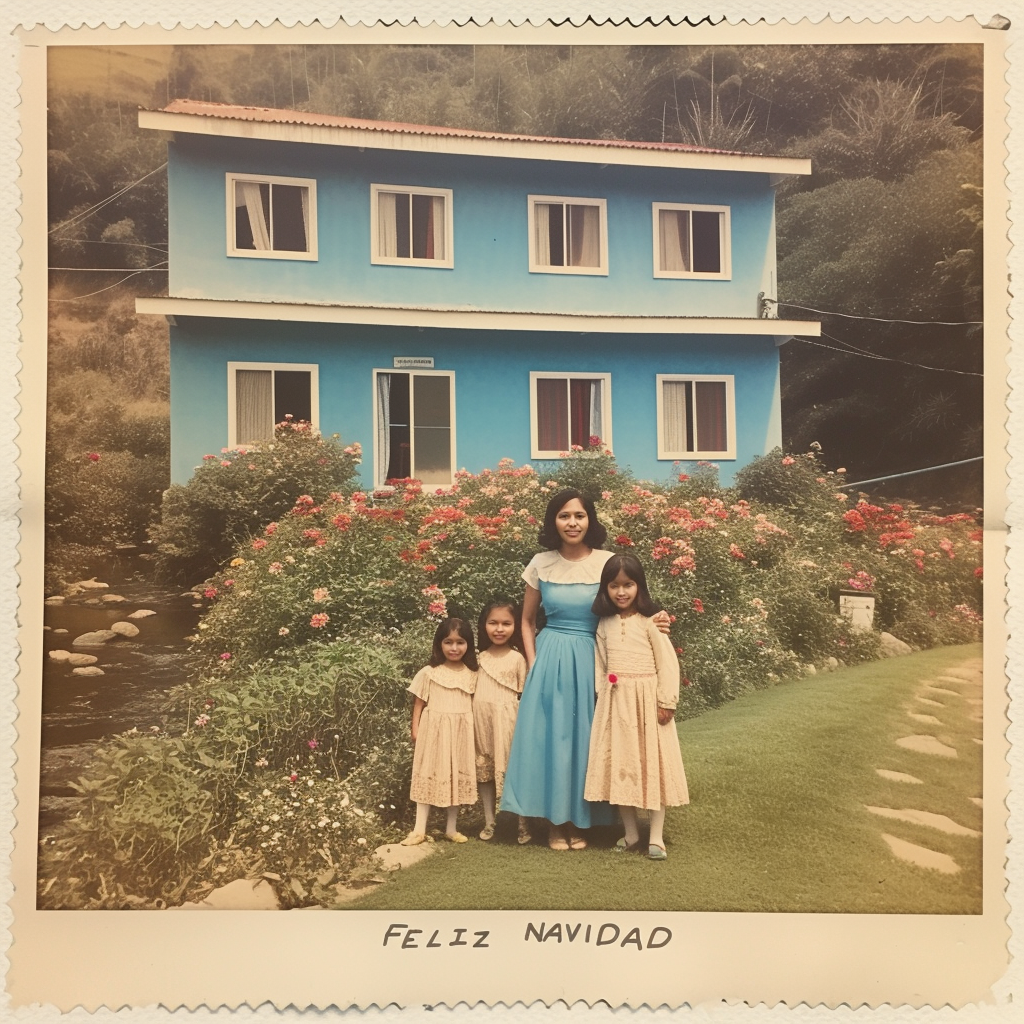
pixel 124 629
pixel 833 664
pixel 188 593
pixel 241 894
pixel 88 670
pixel 199 605
pixel 94 639
pixel 926 745
pixel 113 599
pixel 810 670
pixel 79 660
pixel 142 613
pixel 54 600
pixel 92 600
pixel 46 629
pixel 126 547
pixel 91 585
pixel 60 631
pixel 893 648
pixel 60 655
pixel 394 856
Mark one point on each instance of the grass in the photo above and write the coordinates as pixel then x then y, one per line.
pixel 779 780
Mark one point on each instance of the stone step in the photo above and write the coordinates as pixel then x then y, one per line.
pixel 921 855
pixel 898 776
pixel 916 817
pixel 926 745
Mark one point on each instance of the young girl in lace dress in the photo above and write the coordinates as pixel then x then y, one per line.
pixel 443 765
pixel 496 704
pixel 634 760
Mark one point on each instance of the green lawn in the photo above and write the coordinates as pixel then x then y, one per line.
pixel 778 783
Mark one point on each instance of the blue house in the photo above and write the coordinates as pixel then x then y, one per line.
pixel 450 297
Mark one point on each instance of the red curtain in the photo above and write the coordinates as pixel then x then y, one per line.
pixel 552 415
pixel 579 407
pixel 711 421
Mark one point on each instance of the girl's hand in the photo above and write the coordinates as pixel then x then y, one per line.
pixel 665 715
pixel 663 621
pixel 413 731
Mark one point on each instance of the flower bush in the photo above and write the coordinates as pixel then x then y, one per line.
pixel 237 492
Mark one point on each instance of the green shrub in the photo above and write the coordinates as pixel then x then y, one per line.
pixel 234 494
pixel 795 482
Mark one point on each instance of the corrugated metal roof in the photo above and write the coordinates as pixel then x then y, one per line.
pixel 233 112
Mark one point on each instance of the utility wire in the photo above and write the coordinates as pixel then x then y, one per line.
pixel 883 320
pixel 886 359
pixel 103 202
pixel 912 472
pixel 89 295
pixel 115 270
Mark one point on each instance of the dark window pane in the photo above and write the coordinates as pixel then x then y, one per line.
pixel 402 226
pixel 243 231
pixel 556 234
pixel 422 227
pixel 432 401
pixel 400 461
pixel 552 415
pixel 289 224
pixel 707 242
pixel 711 421
pixel 292 394
pixel 688 387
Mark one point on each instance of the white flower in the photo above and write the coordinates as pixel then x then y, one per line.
pixel 265 828
pixel 266 792
pixel 361 842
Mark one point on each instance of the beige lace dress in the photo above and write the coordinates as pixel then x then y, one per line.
pixel 495 706
pixel 443 764
pixel 634 762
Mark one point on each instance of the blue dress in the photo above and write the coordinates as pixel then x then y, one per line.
pixel 547 765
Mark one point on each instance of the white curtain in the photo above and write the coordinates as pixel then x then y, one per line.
pixel 387 226
pixel 674 413
pixel 247 194
pixel 542 233
pixel 596 417
pixel 254 405
pixel 304 194
pixel 383 423
pixel 675 249
pixel 438 226
pixel 585 230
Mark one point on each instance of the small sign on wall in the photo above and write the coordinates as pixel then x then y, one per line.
pixel 414 362
pixel 858 607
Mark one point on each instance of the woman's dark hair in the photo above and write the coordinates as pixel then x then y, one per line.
pixel 548 537
pixel 630 565
pixel 515 641
pixel 445 628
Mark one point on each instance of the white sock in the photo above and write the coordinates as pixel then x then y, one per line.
pixel 628 816
pixel 658 827
pixel 488 797
pixel 453 814
pixel 422 813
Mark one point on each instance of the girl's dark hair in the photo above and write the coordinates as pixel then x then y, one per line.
pixel 548 537
pixel 516 640
pixel 630 565
pixel 445 628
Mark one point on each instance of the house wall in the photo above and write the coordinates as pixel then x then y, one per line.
pixel 490 231
pixel 492 394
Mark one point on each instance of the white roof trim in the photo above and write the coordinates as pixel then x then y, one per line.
pixel 331 135
pixel 475 319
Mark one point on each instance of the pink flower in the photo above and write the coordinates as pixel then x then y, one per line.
pixel 206 458
pixel 736 552
pixel 313 744
pixel 623 541
pixel 283 631
pixel 259 544
pixel 788 461
pixel 430 568
pixel 202 720
pixel 683 477
pixel 594 440
pixel 270 529
pixel 274 568
pixel 319 619
pixel 294 777
pixel 210 592
pixel 93 456
pixel 438 607
pixel 225 656
pixel 979 572
pixel 698 606
pixel 224 462
pixel 321 594
pixel 686 682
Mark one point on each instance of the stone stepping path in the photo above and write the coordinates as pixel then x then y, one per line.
pixel 915 817
pixel 898 776
pixel 966 678
pixel 926 745
pixel 921 856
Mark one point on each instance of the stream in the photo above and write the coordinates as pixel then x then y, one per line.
pixel 79 710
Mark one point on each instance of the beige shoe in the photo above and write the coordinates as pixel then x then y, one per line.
pixel 456 837
pixel 487 832
pixel 415 838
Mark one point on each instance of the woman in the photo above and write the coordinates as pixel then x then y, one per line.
pixel 547 765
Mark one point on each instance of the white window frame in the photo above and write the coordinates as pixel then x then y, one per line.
pixel 447 263
pixel 730 415
pixel 606 407
pixel 310 255
pixel 543 268
pixel 725 242
pixel 379 471
pixel 314 394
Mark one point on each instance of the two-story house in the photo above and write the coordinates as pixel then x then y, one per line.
pixel 450 297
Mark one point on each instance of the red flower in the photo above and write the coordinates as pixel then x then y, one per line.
pixel 613 679
pixel 225 656
pixel 259 544
pixel 294 777
pixel 93 456
pixel 686 682
pixel 623 541
pixel 210 592
pixel 698 606
pixel 979 572
pixel 683 477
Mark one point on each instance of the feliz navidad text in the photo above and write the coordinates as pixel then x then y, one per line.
pixel 607 934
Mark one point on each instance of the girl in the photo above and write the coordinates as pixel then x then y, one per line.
pixel 443 773
pixel 495 705
pixel 634 760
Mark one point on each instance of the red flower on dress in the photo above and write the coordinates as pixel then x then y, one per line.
pixel 613 679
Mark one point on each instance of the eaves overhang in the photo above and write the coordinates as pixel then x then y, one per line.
pixel 466 318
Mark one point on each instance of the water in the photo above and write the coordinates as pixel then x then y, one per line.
pixel 78 711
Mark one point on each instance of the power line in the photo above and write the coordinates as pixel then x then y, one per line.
pixel 103 202
pixel 115 270
pixel 883 320
pixel 89 295
pixel 912 472
pixel 887 359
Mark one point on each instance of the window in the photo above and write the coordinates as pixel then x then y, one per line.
pixel 411 226
pixel 261 395
pixel 415 435
pixel 691 241
pixel 568 409
pixel 696 417
pixel 568 236
pixel 271 218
